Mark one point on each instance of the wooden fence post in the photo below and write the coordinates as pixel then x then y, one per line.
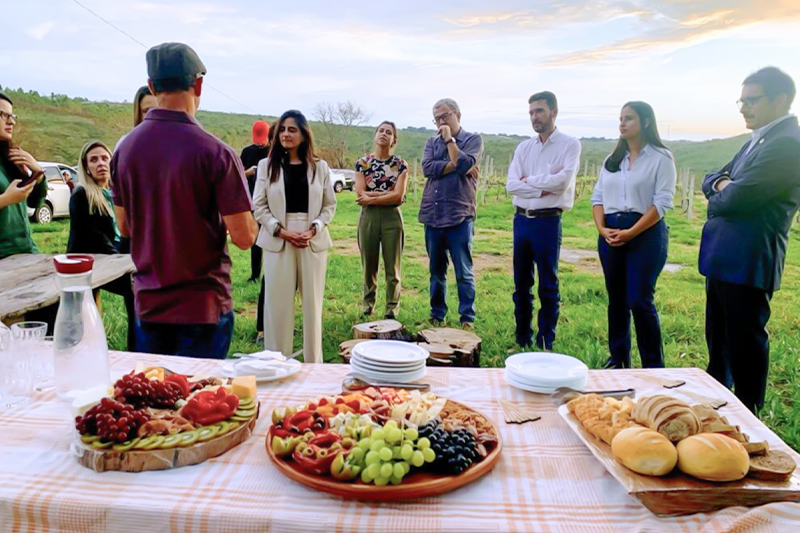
pixel 690 211
pixel 415 178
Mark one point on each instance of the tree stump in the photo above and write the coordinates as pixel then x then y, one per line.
pixel 441 354
pixel 380 329
pixel 465 345
pixel 346 348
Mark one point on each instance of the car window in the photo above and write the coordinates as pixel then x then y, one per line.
pixel 53 175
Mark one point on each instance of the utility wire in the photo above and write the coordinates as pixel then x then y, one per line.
pixel 140 43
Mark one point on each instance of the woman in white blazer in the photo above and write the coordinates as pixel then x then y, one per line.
pixel 294 203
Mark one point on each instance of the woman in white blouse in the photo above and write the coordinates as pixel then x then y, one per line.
pixel 294 202
pixel 633 192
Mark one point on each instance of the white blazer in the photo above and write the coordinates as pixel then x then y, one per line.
pixel 269 200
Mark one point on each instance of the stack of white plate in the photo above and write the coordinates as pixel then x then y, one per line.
pixel 389 361
pixel 544 372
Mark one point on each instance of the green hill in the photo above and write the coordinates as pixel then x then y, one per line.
pixel 55 127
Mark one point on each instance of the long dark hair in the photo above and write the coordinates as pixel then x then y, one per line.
pixel 279 156
pixel 13 172
pixel 143 91
pixel 647 123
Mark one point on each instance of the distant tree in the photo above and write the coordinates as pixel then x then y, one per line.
pixel 337 120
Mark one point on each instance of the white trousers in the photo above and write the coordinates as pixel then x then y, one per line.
pixel 284 273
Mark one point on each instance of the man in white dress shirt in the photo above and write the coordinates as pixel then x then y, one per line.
pixel 541 179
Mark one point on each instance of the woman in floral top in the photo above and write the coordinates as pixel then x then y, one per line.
pixel 380 189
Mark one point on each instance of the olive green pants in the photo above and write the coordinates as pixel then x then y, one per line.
pixel 380 228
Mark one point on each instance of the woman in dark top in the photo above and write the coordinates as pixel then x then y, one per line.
pixel 92 223
pixel 294 203
pixel 381 188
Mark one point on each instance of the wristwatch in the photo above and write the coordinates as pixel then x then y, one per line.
pixel 452 140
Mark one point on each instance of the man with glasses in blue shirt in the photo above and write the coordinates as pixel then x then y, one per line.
pixel 751 204
pixel 448 208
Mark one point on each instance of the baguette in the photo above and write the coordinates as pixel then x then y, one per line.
pixel 669 416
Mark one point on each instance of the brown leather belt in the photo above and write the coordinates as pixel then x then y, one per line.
pixel 539 213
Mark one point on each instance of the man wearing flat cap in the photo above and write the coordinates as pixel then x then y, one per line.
pixel 178 191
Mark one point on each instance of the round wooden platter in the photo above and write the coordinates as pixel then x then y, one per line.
pixel 417 485
pixel 142 460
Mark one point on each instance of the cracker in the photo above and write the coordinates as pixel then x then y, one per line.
pixel 516 413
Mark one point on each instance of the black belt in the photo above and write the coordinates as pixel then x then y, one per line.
pixel 539 213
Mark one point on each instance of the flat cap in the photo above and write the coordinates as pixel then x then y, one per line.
pixel 173 60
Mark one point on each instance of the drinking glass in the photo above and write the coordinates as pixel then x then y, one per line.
pixel 16 373
pixel 31 343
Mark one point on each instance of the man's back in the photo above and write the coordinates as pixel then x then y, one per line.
pixel 176 181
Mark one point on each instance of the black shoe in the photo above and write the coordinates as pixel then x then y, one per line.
pixel 467 326
pixel 252 280
pixel 611 363
pixel 436 322
pixel 525 344
pixel 390 316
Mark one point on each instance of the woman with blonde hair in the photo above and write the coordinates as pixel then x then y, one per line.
pixel 380 190
pixel 294 202
pixel 92 223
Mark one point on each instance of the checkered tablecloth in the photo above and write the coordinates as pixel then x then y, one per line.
pixel 545 480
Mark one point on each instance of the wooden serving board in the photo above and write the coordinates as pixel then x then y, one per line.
pixel 141 460
pixel 418 485
pixel 680 494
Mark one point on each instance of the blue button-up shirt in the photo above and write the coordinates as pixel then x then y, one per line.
pixel 450 199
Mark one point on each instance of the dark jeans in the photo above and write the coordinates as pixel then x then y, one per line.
pixel 209 341
pixel 537 241
pixel 123 287
pixel 260 312
pixel 457 240
pixel 738 342
pixel 631 272
pixel 256 255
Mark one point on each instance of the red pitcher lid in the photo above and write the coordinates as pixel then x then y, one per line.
pixel 73 263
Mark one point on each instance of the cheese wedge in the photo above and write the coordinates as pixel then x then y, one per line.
pixel 244 387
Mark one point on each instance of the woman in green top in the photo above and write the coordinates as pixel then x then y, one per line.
pixel 16 166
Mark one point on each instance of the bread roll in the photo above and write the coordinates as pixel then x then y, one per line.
pixel 644 451
pixel 713 457
pixel 669 416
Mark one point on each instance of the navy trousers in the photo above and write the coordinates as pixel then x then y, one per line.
pixel 191 340
pixel 537 242
pixel 738 342
pixel 631 272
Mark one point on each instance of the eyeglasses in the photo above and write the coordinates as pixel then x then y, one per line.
pixel 442 118
pixel 749 101
pixel 6 116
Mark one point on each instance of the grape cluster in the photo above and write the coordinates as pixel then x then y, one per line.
pixel 112 420
pixel 390 452
pixel 140 391
pixel 455 451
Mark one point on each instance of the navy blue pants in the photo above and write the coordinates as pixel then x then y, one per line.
pixel 631 272
pixel 738 342
pixel 537 241
pixel 209 341
pixel 457 241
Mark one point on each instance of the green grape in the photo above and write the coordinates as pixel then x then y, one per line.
pixel 374 470
pixel 394 435
pixel 377 434
pixel 385 454
pixel 357 454
pixel 396 452
pixel 423 443
pixel 429 455
pixel 406 467
pixel 407 442
pixel 417 459
pixel 396 480
pixel 398 471
pixel 411 434
pixel 372 458
pixel 377 445
pixel 381 481
pixel 365 477
pixel 364 444
pixel 390 424
pixel 386 470
pixel 405 452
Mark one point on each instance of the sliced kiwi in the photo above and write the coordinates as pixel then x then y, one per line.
pixel 245 412
pixel 143 442
pixel 127 445
pixel 88 439
pixel 101 445
pixel 188 437
pixel 246 403
pixel 234 425
pixel 171 441
pixel 237 418
pixel 155 443
pixel 224 427
pixel 208 433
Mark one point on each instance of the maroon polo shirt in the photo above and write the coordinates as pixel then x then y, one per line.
pixel 176 181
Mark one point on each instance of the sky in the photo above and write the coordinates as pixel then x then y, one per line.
pixel 687 58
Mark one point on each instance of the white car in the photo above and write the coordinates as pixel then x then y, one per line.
pixel 61 179
pixel 343 179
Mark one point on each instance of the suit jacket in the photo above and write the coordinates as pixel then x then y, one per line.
pixel 89 233
pixel 745 236
pixel 269 202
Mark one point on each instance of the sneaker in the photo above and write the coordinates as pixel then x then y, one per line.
pixel 436 322
pixel 612 364
pixel 252 280
pixel 260 337
pixel 467 326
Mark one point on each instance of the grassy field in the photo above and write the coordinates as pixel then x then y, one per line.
pixel 582 327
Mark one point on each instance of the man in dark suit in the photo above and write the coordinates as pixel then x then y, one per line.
pixel 751 204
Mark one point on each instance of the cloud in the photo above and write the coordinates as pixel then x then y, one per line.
pixel 39 31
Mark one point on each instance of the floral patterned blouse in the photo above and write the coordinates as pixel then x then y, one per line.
pixel 381 175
